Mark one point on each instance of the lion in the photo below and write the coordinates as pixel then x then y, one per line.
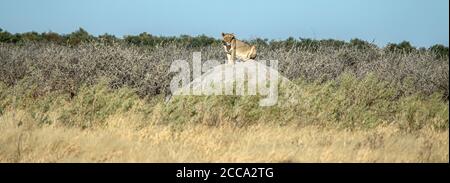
pixel 235 48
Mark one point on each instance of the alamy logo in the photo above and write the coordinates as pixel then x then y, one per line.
pixel 242 78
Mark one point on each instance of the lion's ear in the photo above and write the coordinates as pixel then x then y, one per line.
pixel 223 34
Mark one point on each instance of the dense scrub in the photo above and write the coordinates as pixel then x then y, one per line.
pixel 55 67
pixel 351 84
pixel 102 99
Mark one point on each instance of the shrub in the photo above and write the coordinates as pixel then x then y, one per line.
pixel 441 51
pixel 78 37
pixel 404 47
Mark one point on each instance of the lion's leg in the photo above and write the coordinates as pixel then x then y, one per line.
pixel 233 51
pixel 230 61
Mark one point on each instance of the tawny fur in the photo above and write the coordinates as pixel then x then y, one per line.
pixel 237 49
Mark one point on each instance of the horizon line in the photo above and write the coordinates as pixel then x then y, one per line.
pixel 373 41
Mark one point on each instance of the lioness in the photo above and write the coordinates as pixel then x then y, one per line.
pixel 236 48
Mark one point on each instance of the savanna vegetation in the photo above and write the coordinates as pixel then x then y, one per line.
pixel 79 97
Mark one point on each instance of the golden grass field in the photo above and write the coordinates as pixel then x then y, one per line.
pixel 123 140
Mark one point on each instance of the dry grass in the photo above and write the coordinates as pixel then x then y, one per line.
pixel 123 140
pixel 328 124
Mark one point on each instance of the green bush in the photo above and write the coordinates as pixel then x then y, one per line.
pixel 404 47
pixel 78 37
pixel 441 51
pixel 52 37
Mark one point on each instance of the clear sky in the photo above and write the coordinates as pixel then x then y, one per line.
pixel 422 22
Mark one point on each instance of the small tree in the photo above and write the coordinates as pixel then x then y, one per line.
pixel 107 38
pixel 52 37
pixel 440 50
pixel 5 36
pixel 360 44
pixel 30 37
pixel 79 36
pixel 404 47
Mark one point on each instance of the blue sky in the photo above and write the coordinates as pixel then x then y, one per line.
pixel 422 22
